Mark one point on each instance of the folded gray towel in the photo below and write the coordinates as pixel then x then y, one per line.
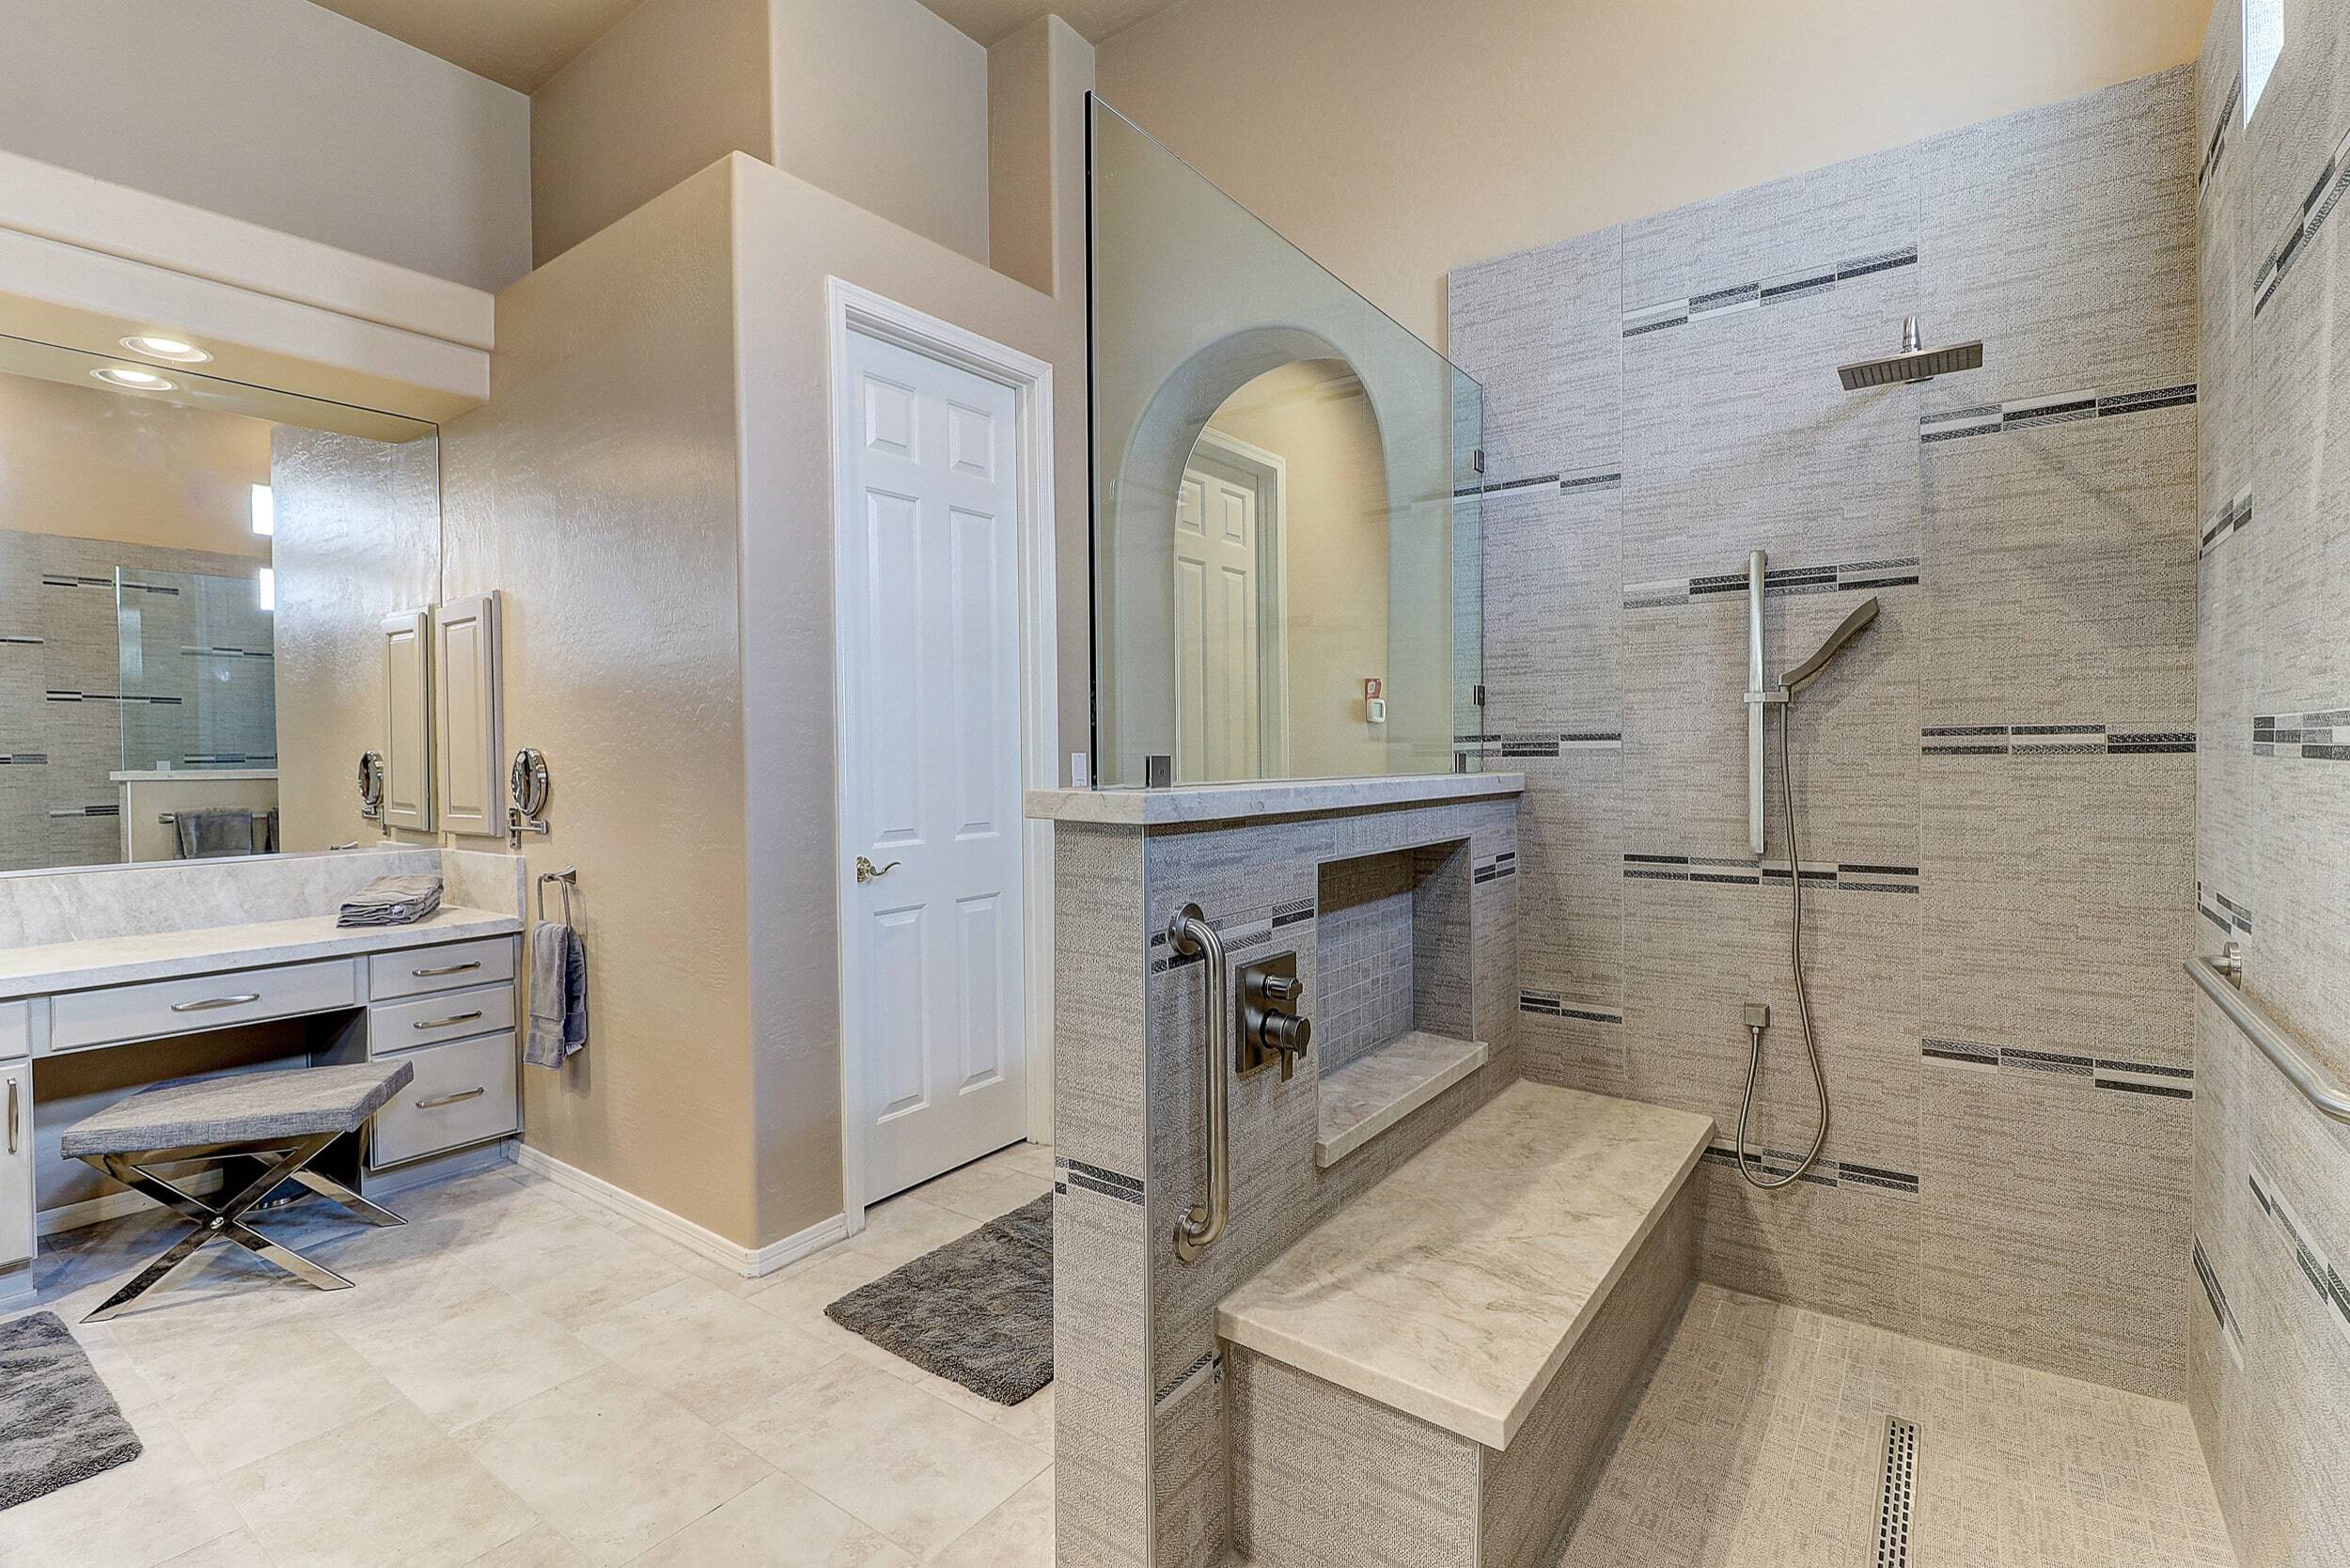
pixel 558 994
pixel 391 900
pixel 207 834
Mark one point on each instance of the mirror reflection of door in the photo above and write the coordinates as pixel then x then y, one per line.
pixel 1280 588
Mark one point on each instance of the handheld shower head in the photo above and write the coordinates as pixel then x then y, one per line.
pixel 1813 667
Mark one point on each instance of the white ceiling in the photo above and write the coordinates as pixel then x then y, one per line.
pixel 523 43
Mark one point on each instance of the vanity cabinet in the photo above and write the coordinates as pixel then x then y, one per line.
pixel 16 1161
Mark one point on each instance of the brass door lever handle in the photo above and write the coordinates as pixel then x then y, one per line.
pixel 866 870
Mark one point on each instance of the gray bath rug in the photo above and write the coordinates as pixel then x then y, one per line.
pixel 978 1309
pixel 57 1423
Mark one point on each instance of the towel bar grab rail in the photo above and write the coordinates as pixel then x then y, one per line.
pixel 2277 1046
pixel 1187 933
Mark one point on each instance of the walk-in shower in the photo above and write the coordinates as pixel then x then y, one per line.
pixel 1760 697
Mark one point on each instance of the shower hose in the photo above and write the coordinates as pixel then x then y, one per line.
pixel 1803 1003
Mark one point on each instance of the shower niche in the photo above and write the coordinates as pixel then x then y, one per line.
pixel 1392 1009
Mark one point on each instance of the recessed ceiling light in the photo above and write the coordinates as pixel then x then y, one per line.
pixel 165 347
pixel 137 381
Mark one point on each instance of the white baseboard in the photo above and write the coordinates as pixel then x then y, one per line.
pixel 114 1206
pixel 750 1262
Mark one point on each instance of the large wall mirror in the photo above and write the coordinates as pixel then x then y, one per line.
pixel 195 576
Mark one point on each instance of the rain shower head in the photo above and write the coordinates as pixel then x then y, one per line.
pixel 1915 362
pixel 1812 668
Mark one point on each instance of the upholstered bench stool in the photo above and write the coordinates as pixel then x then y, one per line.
pixel 284 1119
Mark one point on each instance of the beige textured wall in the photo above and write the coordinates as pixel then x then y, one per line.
pixel 790 237
pixel 876 101
pixel 676 86
pixel 1394 139
pixel 598 489
pixel 98 464
pixel 281 112
pixel 359 539
pixel 1335 513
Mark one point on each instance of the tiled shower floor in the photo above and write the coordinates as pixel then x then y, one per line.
pixel 1759 1443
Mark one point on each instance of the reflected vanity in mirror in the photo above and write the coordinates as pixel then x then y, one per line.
pixel 194 578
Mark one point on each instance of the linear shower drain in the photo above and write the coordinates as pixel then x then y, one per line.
pixel 1901 1493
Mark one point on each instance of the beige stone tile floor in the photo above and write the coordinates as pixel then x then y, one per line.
pixel 1758 1442
pixel 525 1379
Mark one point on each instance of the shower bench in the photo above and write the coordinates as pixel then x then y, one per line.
pixel 1424 1379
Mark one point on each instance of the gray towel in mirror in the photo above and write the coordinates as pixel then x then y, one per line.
pixel 207 834
pixel 391 900
pixel 558 994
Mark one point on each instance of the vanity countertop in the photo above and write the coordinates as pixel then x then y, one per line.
pixel 1210 803
pixel 35 971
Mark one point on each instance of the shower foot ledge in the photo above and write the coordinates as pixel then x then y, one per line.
pixel 1383 1085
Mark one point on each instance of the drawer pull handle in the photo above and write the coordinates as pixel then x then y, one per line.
pixel 211 1002
pixel 445 969
pixel 12 1116
pixel 445 1023
pixel 438 1101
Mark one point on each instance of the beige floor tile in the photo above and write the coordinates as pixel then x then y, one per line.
pixel 1030 1420
pixel 797 1298
pixel 1019 1534
pixel 719 1355
pixel 985 1190
pixel 573 1268
pixel 913 1467
pixel 386 1489
pixel 612 1463
pixel 1034 1159
pixel 541 1547
pixel 776 1524
pixel 903 1229
pixel 458 1367
pixel 136 1515
pixel 239 1392
pixel 236 1549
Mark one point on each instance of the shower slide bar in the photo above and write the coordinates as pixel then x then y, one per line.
pixel 2329 1098
pixel 1187 933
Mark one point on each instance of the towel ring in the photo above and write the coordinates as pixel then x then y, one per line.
pixel 566 879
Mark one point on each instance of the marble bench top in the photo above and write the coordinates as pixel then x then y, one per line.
pixel 35 971
pixel 1455 1288
pixel 1215 803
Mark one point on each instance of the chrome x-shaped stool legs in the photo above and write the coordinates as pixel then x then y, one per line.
pixel 286 1162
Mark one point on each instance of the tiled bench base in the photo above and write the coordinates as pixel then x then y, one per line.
pixel 1322 1475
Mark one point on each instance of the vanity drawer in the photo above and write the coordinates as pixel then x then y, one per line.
pixel 413 971
pixel 119 1012
pixel 441 1016
pixel 462 1093
pixel 16 1031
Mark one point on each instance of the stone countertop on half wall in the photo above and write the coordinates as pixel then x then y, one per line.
pixel 1216 803
pixel 1454 1289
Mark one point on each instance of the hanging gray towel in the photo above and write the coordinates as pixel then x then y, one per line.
pixel 558 994
pixel 207 834
pixel 391 900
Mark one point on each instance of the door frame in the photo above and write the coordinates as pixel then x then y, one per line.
pixel 1271 471
pixel 852 309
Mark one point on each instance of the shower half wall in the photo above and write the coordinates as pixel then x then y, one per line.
pixel 1999 784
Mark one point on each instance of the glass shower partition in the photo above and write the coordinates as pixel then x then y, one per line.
pixel 1287 568
pixel 198 676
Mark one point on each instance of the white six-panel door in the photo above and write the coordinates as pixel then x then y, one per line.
pixel 1218 728
pixel 929 557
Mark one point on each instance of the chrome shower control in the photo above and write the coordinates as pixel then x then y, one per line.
pixel 1268 1028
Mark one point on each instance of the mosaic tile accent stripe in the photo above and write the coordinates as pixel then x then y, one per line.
pixel 1747 872
pixel 111 810
pixel 1551 1003
pixel 1502 865
pixel 24 642
pixel 2321 1275
pixel 1539 742
pixel 25 759
pixel 1210 1364
pixel 1827 1173
pixel 2230 1331
pixel 1094 1177
pixel 2223 911
pixel 1800 284
pixel 112 697
pixel 1840 577
pixel 2032 412
pixel 2217 149
pixel 2322 736
pixel 1246 927
pixel 2050 739
pixel 2122 1077
pixel 1609 476
pixel 2325 196
pixel 2234 519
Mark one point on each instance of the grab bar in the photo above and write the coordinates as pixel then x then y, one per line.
pixel 2304 1074
pixel 1189 932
